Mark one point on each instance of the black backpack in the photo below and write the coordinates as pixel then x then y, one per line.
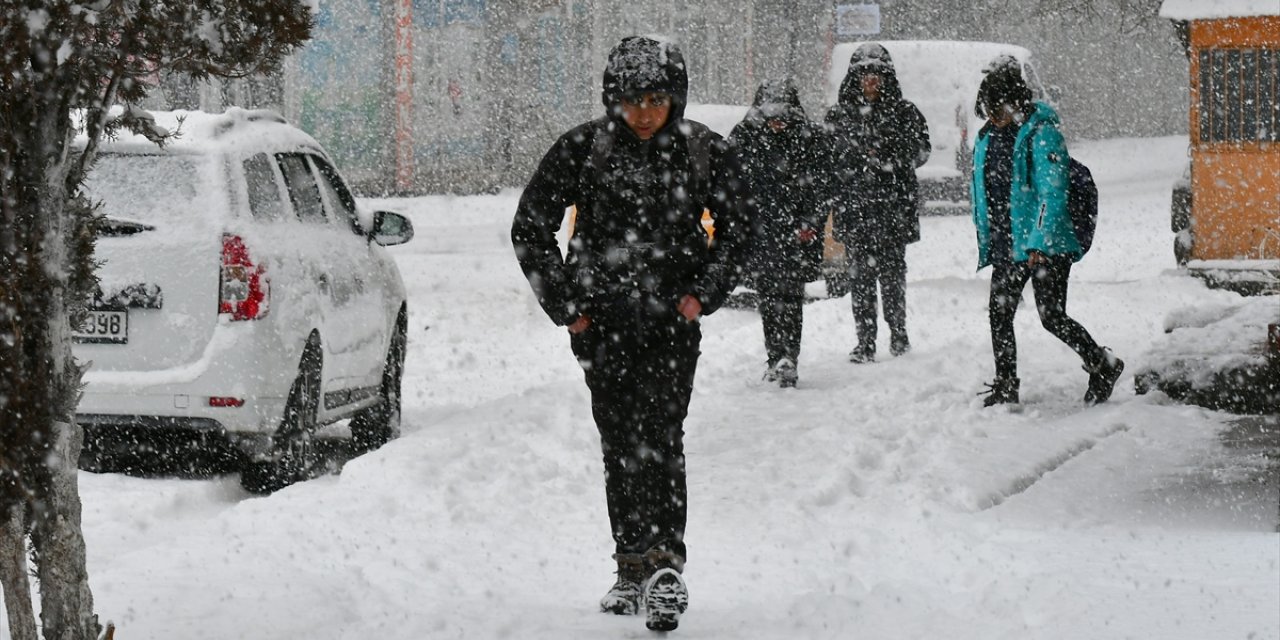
pixel 1082 201
pixel 1082 204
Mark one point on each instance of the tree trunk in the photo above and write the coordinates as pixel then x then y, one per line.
pixel 13 575
pixel 39 382
pixel 66 603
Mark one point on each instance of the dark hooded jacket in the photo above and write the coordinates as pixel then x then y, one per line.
pixel 784 170
pixel 638 240
pixel 877 148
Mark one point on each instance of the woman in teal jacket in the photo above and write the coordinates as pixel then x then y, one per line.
pixel 1020 188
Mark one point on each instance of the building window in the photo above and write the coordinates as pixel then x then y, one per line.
pixel 1239 95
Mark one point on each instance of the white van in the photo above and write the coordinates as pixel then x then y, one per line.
pixel 243 295
pixel 941 77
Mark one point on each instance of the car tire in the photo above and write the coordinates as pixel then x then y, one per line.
pixel 380 424
pixel 293 454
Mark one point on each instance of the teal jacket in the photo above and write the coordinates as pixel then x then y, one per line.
pixel 1038 204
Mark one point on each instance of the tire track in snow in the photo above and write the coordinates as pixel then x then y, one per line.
pixel 1025 482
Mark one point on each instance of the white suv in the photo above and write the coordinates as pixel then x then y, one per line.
pixel 243 294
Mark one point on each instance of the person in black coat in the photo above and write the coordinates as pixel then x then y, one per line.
pixel 880 138
pixel 639 273
pixel 782 156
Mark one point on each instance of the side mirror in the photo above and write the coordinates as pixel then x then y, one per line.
pixel 391 228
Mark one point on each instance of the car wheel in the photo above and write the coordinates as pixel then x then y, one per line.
pixel 293 454
pixel 380 423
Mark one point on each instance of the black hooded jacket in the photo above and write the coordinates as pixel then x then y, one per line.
pixel 638 240
pixel 877 148
pixel 784 170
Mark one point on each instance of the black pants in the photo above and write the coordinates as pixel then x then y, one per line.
pixel 1049 282
pixel 640 371
pixel 886 265
pixel 782 314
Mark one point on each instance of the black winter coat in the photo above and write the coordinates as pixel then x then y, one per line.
pixel 877 148
pixel 638 241
pixel 784 171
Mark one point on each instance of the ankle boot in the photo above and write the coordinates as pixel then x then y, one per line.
pixel 625 595
pixel 1103 374
pixel 665 595
pixel 1001 391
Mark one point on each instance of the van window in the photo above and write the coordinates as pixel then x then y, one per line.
pixel 302 188
pixel 264 193
pixel 1239 95
pixel 342 207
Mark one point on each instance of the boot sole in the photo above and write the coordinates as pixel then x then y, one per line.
pixel 664 609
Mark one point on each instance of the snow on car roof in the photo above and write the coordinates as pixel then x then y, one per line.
pixel 236 130
pixel 1214 9
pixel 926 68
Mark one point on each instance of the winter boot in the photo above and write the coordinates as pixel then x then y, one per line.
pixel 899 345
pixel 862 355
pixel 1001 391
pixel 665 594
pixel 1103 376
pixel 787 374
pixel 624 598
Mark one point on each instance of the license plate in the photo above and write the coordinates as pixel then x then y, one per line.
pixel 104 325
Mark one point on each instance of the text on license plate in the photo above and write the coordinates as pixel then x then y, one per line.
pixel 104 325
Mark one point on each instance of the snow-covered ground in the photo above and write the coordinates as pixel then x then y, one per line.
pixel 874 501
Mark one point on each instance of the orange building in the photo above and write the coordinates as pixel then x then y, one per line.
pixel 1227 215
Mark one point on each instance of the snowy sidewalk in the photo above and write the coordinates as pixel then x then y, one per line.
pixel 876 502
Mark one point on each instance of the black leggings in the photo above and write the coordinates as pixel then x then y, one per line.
pixel 1049 283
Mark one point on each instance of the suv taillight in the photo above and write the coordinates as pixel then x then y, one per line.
pixel 244 291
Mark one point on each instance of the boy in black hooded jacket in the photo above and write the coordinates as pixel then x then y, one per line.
pixel 784 159
pixel 639 273
pixel 879 139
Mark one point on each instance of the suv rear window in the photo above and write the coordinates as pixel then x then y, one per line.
pixel 155 189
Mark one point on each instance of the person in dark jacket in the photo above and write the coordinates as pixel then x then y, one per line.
pixel 639 273
pixel 1020 189
pixel 879 138
pixel 782 155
